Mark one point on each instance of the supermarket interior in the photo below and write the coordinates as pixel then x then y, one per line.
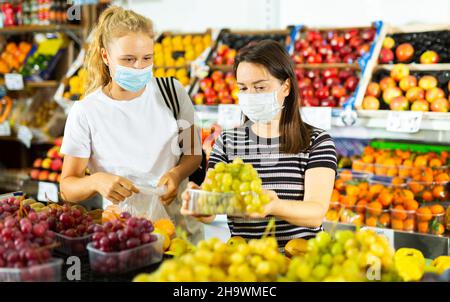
pixel 370 80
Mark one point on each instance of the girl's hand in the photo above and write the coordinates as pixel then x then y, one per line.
pixel 185 205
pixel 268 208
pixel 172 182
pixel 114 188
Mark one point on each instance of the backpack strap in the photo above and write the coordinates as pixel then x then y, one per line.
pixel 167 88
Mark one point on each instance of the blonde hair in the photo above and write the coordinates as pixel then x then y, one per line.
pixel 114 22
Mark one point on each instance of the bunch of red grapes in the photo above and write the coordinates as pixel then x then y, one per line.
pixel 126 233
pixel 10 206
pixel 69 221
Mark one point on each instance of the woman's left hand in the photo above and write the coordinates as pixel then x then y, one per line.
pixel 268 208
pixel 171 181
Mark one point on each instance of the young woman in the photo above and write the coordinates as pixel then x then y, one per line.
pixel 124 124
pixel 297 163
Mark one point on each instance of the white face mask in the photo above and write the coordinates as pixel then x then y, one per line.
pixel 260 107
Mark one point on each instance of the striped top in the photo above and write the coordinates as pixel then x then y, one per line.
pixel 280 172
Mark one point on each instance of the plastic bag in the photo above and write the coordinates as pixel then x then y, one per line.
pixel 147 203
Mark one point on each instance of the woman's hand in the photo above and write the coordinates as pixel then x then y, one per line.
pixel 172 181
pixel 269 207
pixel 114 188
pixel 185 205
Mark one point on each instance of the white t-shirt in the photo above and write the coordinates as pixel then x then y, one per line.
pixel 139 135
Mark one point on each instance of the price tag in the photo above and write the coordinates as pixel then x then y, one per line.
pixel 14 81
pixel 404 121
pixel 5 129
pixel 388 233
pixel 319 117
pixel 25 135
pixel 47 192
pixel 229 116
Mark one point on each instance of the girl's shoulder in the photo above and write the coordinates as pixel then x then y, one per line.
pixel 318 136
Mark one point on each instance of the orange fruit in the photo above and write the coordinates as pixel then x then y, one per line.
pixel 368 150
pixel 348 201
pixel 361 206
pixel 358 165
pixel 397 181
pixel 408 195
pixel 408 225
pixel 411 205
pixel 391 172
pixel 335 196
pixel 385 219
pixel 375 189
pixel 397 224
pixel 339 185
pixel 346 175
pixel 381 170
pixel 439 230
pixel 375 208
pixel 368 159
pixel 371 221
pixel 416 187
pixel 352 190
pixel 363 186
pixel 439 192
pixel 385 198
pixel 437 209
pixel 166 226
pixel 442 177
pixel 399 213
pixel 424 214
pixel 332 215
pixel 420 161
pixel 422 227
pixel 427 176
pixel 435 162
pixel 427 196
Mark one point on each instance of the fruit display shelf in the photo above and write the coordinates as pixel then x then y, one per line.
pixel 430 245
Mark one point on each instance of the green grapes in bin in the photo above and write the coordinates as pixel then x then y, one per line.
pixel 233 188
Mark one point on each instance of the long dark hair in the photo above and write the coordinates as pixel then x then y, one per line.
pixel 294 133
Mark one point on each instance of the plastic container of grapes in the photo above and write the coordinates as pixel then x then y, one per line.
pixel 211 203
pixel 73 246
pixel 126 261
pixel 46 272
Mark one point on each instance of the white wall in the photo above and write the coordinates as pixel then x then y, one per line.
pixel 197 15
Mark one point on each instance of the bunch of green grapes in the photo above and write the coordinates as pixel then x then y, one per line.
pixel 215 261
pixel 241 179
pixel 349 256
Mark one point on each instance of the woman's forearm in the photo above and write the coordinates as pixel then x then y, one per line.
pixel 306 213
pixel 187 165
pixel 78 189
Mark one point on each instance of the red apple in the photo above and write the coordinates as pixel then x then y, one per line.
pixel 230 79
pixel 53 177
pixel 328 102
pixel 338 91
pixel 230 61
pixel 206 83
pixel 344 74
pixel 34 174
pixel 351 33
pixel 368 34
pixel 349 59
pixel 314 102
pixel 58 141
pixel 322 93
pixel 43 175
pixel 362 49
pixel 219 85
pixel 399 71
pixel 337 43
pixel 308 51
pixel 332 59
pixel 226 100
pixel 37 163
pixel 223 94
pixel 373 89
pixel 420 105
pixel 427 82
pixel 370 103
pixel 325 50
pixel 390 93
pixel 298 59
pixel 56 164
pixel 440 105
pixel 408 83
pixel 343 100
pixel 332 82
pixel 217 75
pixel 317 83
pixel 345 50
pixel 330 72
pixel 355 42
pixel 386 56
pixel 199 99
pixel 351 83
pixel 312 35
pixel 209 92
pixel 299 73
pixel 429 57
pixel 211 100
pixel 415 93
pixel 219 60
pixel 306 82
pixel 434 94
pixel 313 73
pixel 387 82
pixel 222 50
pixel 404 52
pixel 399 103
pixel 314 59
pixel 307 92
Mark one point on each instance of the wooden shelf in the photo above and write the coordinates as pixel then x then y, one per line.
pixel 38 28
pixel 43 84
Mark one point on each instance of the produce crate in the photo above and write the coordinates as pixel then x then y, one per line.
pixel 229 42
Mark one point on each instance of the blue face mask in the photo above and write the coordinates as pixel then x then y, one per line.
pixel 133 79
